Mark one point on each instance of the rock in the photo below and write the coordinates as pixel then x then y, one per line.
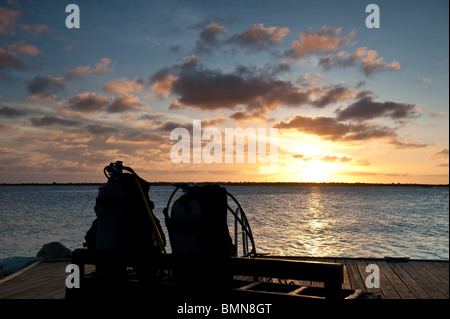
pixel 54 250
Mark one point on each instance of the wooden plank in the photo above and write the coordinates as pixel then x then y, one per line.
pixel 35 282
pixel 432 284
pixel 5 279
pixel 362 266
pixel 431 267
pixel 397 284
pixel 444 264
pixel 409 281
pixel 441 268
pixel 387 290
pixel 356 281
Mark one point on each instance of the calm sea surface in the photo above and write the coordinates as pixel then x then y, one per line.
pixel 341 221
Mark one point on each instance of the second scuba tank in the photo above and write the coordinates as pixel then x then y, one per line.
pixel 198 221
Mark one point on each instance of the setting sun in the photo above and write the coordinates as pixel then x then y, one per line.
pixel 316 171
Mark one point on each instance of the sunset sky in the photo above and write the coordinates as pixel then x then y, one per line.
pixel 351 104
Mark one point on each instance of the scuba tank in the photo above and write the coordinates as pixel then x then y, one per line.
pixel 197 226
pixel 197 223
pixel 125 221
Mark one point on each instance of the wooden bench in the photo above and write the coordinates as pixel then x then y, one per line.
pixel 331 274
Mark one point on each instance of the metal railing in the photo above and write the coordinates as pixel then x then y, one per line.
pixel 242 232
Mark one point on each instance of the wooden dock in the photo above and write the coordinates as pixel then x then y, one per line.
pixel 399 279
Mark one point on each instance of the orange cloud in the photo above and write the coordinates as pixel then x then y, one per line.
pixel 8 18
pixel 8 23
pixel 35 28
pixel 369 61
pixel 102 67
pixel 325 40
pixel 25 48
pixel 122 85
pixel 162 86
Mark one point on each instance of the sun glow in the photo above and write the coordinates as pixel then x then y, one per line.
pixel 316 171
pixel 305 163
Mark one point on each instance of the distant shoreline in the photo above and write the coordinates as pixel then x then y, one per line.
pixel 245 184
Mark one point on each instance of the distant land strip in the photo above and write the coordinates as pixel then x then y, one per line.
pixel 245 184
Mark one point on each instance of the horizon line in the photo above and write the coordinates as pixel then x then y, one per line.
pixel 163 183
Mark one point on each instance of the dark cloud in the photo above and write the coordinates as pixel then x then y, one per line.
pixel 86 102
pixel 259 37
pixel 396 143
pixel 256 37
pixel 209 34
pixel 204 89
pixel 125 102
pixel 332 95
pixel 9 60
pixel 100 129
pixel 53 120
pixel 241 116
pixel 209 38
pixel 45 86
pixel 169 125
pixel 8 111
pixel 366 109
pixel 332 129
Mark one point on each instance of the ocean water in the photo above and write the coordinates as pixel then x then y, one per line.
pixel 338 221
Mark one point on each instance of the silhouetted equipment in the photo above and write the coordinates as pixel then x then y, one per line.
pixel 127 245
